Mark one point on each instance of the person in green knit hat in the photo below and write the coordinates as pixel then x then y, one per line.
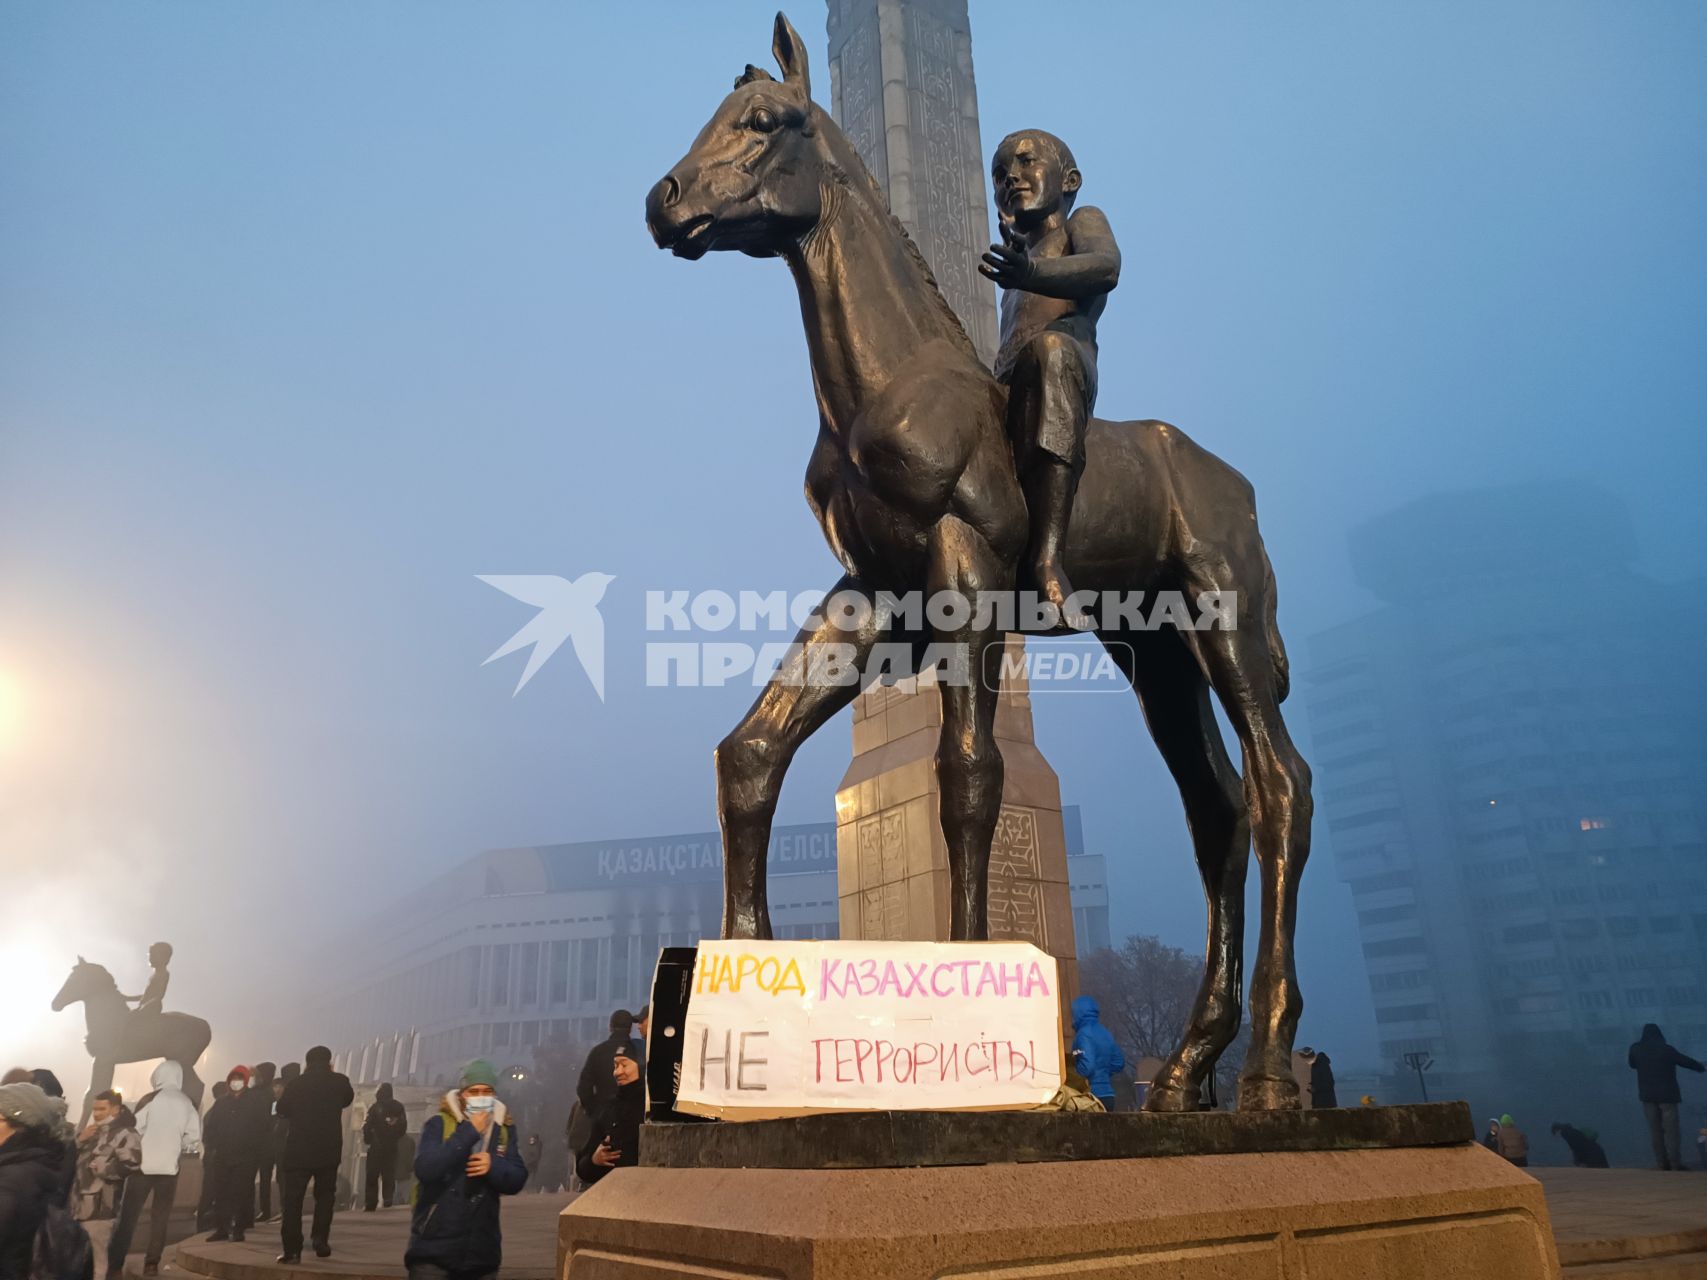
pixel 467 1158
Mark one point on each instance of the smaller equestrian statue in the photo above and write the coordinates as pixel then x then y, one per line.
pixel 118 1033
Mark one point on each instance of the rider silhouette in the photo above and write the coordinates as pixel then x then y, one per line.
pixel 154 995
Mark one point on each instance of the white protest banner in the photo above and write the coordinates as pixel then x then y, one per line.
pixel 786 1028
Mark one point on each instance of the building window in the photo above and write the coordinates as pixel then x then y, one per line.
pixel 1388 915
pixel 530 973
pixel 1394 947
pixel 559 973
pixel 589 966
pixel 471 959
pixel 501 975
pixel 1406 1013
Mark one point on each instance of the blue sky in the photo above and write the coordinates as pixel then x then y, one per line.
pixel 311 312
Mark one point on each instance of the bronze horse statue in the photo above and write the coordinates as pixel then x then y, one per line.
pixel 912 479
pixel 118 1033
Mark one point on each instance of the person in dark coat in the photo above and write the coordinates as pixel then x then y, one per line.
pixel 1322 1082
pixel 596 1089
pixel 468 1156
pixel 313 1104
pixel 210 1159
pixel 385 1124
pixel 234 1133
pixel 1655 1063
pixel 259 1097
pixel 1095 1055
pixel 616 1130
pixel 1586 1151
pixel 32 1160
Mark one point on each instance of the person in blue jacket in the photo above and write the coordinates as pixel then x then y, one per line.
pixel 1095 1055
pixel 468 1156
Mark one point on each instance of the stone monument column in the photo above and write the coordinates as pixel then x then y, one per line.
pixel 902 90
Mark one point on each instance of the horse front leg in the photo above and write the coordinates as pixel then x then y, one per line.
pixel 968 762
pixel 824 671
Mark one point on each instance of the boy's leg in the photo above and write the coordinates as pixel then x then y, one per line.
pixel 1054 387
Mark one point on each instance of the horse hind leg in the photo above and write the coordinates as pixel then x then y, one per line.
pixel 1247 677
pixel 192 1084
pixel 1175 699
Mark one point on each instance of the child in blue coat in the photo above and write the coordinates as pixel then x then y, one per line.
pixel 1095 1055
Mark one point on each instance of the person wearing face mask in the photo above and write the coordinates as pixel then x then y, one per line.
pixel 233 1135
pixel 468 1157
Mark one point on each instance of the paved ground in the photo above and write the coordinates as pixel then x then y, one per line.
pixel 1650 1222
pixel 368 1245
pixel 1600 1217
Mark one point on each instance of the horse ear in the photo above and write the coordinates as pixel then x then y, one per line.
pixel 81 960
pixel 790 53
pixel 751 74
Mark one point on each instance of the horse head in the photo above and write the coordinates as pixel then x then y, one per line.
pixel 754 178
pixel 86 979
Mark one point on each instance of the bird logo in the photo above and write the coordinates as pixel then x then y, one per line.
pixel 567 611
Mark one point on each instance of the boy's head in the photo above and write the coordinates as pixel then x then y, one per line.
pixel 1034 174
pixel 107 1106
pixel 159 955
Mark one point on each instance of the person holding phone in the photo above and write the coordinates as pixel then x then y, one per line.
pixel 617 1127
pixel 467 1158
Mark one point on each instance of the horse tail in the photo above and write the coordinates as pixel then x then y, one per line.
pixel 1271 631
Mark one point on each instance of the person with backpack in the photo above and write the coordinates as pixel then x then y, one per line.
pixel 169 1129
pixel 1512 1143
pixel 467 1157
pixel 32 1160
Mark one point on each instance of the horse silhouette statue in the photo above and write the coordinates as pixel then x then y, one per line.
pixel 912 479
pixel 118 1033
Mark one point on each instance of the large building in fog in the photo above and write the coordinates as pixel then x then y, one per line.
pixel 1509 757
pixel 541 943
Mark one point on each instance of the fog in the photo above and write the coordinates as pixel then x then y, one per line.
pixel 309 315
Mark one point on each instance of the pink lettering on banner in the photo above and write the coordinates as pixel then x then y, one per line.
pixel 978 979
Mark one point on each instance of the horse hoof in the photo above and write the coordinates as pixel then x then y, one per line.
pixel 1171 1099
pixel 1268 1093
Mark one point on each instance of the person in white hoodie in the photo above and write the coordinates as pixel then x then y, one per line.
pixel 170 1129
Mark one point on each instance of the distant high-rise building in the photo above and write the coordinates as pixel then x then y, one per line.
pixel 1509 757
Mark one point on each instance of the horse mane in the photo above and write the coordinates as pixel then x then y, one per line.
pixel 99 969
pixel 845 156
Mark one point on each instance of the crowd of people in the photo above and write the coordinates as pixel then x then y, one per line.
pixel 65 1192
pixel 289 1124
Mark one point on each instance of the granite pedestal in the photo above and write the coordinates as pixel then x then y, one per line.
pixel 1328 1195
